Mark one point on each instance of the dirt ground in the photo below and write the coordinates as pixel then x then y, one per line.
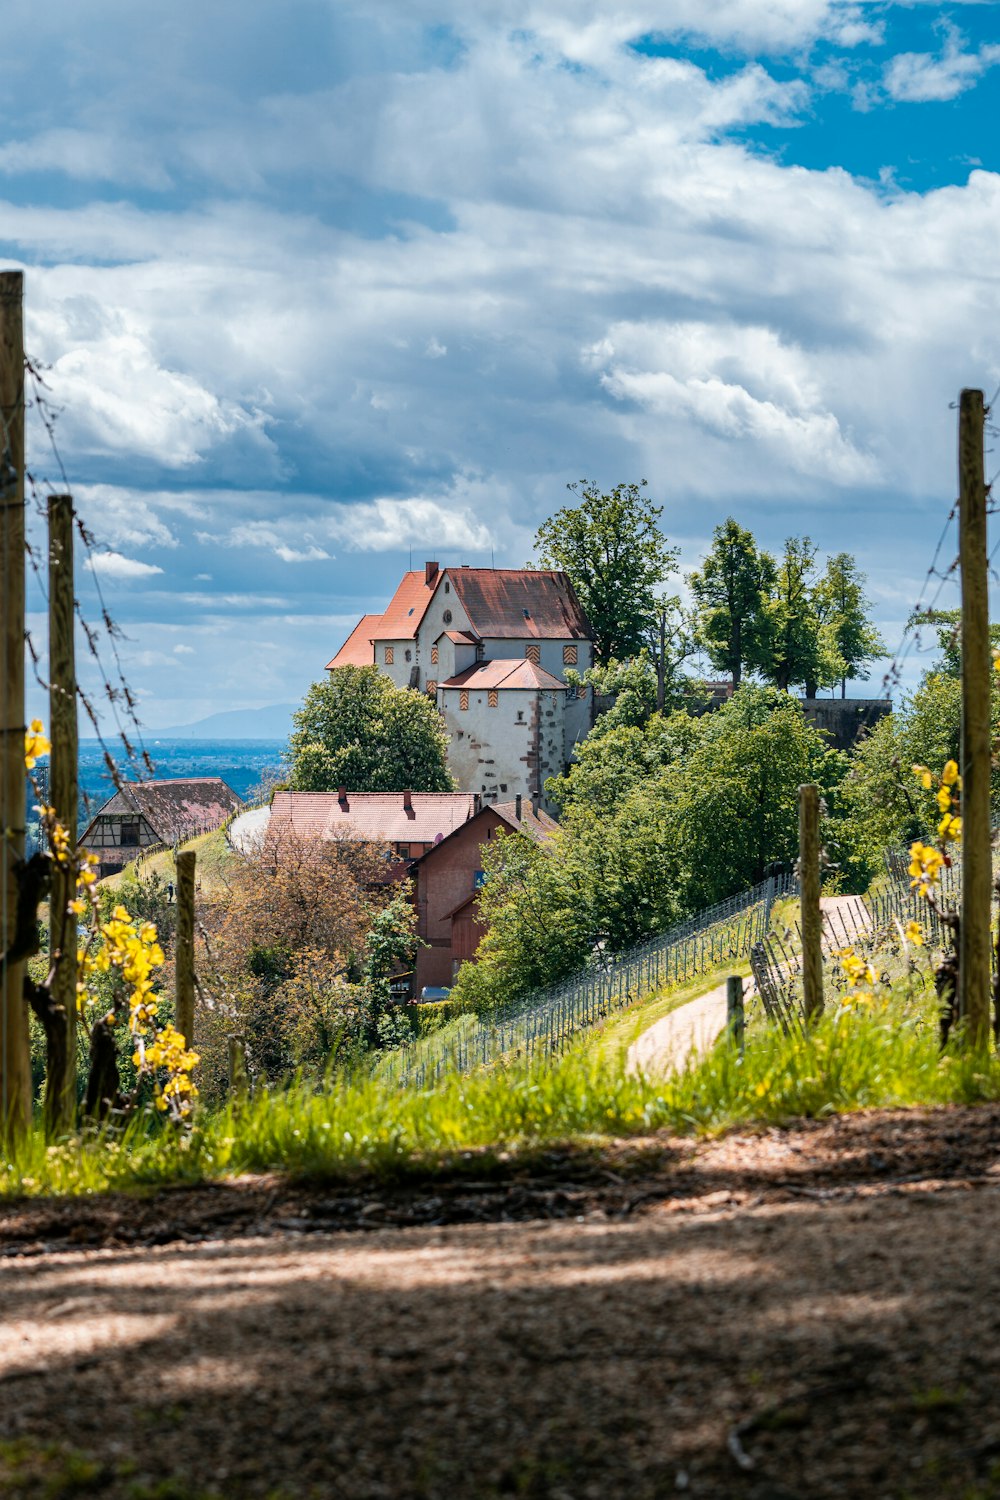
pixel 804 1313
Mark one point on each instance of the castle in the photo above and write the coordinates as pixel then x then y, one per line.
pixel 491 646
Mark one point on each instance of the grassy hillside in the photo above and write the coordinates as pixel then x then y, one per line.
pixel 214 860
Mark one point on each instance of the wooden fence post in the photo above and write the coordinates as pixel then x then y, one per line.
pixel 63 796
pixel 809 888
pixel 184 947
pixel 15 1068
pixel 735 1018
pixel 974 934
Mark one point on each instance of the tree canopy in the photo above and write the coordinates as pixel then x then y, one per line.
pixel 846 619
pixel 730 591
pixel 356 729
pixel 617 559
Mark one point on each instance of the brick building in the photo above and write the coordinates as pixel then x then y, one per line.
pixel 492 647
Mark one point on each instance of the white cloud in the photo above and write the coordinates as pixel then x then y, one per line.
pixel 114 565
pixel 917 77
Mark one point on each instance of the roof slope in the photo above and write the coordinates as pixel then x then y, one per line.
pixel 520 602
pixel 176 809
pixel 380 816
pixel 505 673
pixel 358 650
pixel 407 607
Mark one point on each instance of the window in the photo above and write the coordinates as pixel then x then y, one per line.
pixel 434 656
pixel 446 617
pixel 447 587
pixel 388 656
pixel 533 653
pixel 407 655
pixel 432 688
pixel 493 698
pixel 520 716
pixel 403 850
pixel 569 656
pixel 478 880
pixel 130 834
pixel 463 698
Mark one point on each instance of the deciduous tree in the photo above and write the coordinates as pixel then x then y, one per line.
pixel 730 592
pixel 845 613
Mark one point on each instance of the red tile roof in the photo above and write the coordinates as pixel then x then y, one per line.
pixel 175 809
pixel 460 637
pixel 501 673
pixel 537 825
pixel 380 816
pixel 407 607
pixel 357 650
pixel 520 602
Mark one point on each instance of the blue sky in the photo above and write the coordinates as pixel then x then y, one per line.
pixel 319 284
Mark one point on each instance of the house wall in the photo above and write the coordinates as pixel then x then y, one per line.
pixel 509 750
pixel 399 670
pixel 443 880
pixel 434 624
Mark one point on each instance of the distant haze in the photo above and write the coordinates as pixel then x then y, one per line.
pixel 271 723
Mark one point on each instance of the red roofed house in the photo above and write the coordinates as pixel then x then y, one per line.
pixel 142 813
pixel 448 879
pixel 411 823
pixel 492 646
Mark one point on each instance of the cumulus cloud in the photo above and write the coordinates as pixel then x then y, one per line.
pixel 917 77
pixel 114 565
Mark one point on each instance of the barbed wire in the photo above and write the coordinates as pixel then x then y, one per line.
pixel 107 634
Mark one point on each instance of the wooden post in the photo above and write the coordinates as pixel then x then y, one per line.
pixel 63 795
pixel 735 1018
pixel 974 936
pixel 239 1077
pixel 15 1069
pixel 184 947
pixel 809 889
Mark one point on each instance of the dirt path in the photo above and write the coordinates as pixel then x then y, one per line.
pixel 697 1025
pixel 796 1315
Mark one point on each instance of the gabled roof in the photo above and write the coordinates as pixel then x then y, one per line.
pixel 407 607
pixel 358 650
pixel 520 603
pixel 176 809
pixel 537 825
pixel 460 637
pixel 379 816
pixel 501 673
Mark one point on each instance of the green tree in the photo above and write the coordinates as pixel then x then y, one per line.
pixel 616 556
pixel 845 613
pixel 356 729
pixel 730 591
pixel 793 647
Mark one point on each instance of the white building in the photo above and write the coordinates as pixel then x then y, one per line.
pixel 491 646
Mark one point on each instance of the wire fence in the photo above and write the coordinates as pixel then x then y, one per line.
pixel 544 1023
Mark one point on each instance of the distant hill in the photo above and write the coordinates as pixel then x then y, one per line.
pixel 271 723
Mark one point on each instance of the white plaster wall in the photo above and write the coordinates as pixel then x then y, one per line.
pixel 489 746
pixel 432 625
pixel 399 671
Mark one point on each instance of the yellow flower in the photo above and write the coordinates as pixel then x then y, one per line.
pixel 923 775
pixel 950 773
pixel 949 828
pixel 914 933
pixel 944 799
pixel 78 907
pixel 35 744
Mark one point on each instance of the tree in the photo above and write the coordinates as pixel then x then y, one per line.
pixel 845 615
pixel 730 592
pixel 356 729
pixel 616 557
pixel 670 640
pixel 793 647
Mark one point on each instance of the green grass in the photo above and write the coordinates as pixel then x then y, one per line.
pixel 214 860
pixel 881 1055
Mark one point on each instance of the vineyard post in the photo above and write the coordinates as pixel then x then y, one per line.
pixel 974 935
pixel 735 1019
pixel 809 887
pixel 184 947
pixel 15 1069
pixel 63 790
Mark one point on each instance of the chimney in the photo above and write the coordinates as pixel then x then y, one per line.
pixel 534 804
pixel 341 794
pixel 517 807
pixel 408 801
pixel 477 802
pixel 431 571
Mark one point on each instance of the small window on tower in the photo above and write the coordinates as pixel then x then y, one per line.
pixel 434 656
pixel 407 655
pixel 569 656
pixel 463 698
pixel 388 656
pixel 493 698
pixel 533 653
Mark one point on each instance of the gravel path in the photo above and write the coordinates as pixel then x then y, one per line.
pixel 793 1315
pixel 696 1026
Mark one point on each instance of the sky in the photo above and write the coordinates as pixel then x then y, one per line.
pixel 320 286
